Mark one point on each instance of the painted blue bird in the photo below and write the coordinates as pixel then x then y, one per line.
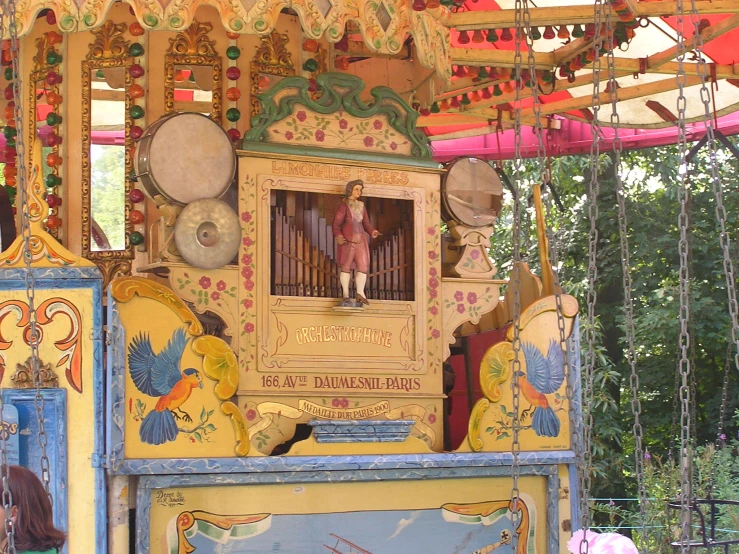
pixel 159 376
pixel 544 375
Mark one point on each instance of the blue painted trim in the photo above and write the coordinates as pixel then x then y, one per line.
pixel 552 514
pixel 149 483
pixel 115 388
pixel 19 274
pixel 55 414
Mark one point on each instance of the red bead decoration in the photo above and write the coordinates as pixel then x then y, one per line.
pixel 53 222
pixel 10 153
pixel 425 112
pixel 136 71
pixel 51 17
pixel 53 200
pixel 233 73
pixel 136 29
pixel 136 196
pixel 52 139
pixel 136 91
pixel 486 94
pixel 10 111
pixel 53 78
pixel 136 132
pixel 233 134
pixel 54 38
pixel 54 99
pixel 310 45
pixel 8 92
pixel 432 4
pixel 563 33
pixel 233 94
pixel 312 85
pixel 53 160
pixel 136 217
pixel 419 5
pixel 455 102
pixel 549 32
pixel 464 38
pixel 232 36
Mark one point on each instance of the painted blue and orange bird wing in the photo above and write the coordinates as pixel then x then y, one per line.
pixel 544 375
pixel 156 374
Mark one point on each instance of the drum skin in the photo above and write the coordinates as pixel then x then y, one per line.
pixel 185 157
pixel 208 234
pixel 472 193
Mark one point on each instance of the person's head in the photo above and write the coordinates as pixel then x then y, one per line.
pixel 354 189
pixel 31 513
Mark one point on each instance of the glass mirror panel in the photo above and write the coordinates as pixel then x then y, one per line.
pixel 193 88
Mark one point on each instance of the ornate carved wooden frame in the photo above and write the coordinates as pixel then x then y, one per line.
pixel 109 50
pixel 38 75
pixel 272 58
pixel 193 47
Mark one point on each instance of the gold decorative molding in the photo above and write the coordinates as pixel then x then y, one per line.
pixel 23 376
pixel 109 42
pixel 193 47
pixel 271 58
pixel 240 428
pixel 219 363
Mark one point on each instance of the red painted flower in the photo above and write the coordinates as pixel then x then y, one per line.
pixel 248 272
pixel 301 116
pixel 336 402
pixel 460 308
pixel 215 295
pixel 289 135
pixel 433 293
pixel 246 216
pixel 248 304
pixel 433 282
pixel 431 231
pixel 221 285
pixel 434 310
pixel 247 241
pixel 243 271
pixel 369 141
pixel 251 414
pixel 472 298
pixel 393 145
pixel 377 124
pixel 475 254
pixel 320 135
pixel 459 296
pixel 249 285
pixel 343 123
pixel 432 255
pixel 432 418
pixel 249 327
pixel 344 403
pixel 204 282
pixel 435 333
pixel 432 272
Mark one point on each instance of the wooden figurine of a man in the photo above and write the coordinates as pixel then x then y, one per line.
pixel 350 223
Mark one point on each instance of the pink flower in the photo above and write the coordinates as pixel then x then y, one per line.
pixel 249 285
pixel 433 293
pixel 247 241
pixel 246 259
pixel 431 231
pixel 432 272
pixel 393 145
pixel 246 216
pixel 248 304
pixel 204 282
pixel 460 308
pixel 435 333
pixel 433 282
pixel 343 123
pixel 215 295
pixel 248 272
pixel 249 327
pixel 289 135
pixel 243 272
pixel 221 285
pixel 432 418
pixel 336 402
pixel 377 124
pixel 344 403
pixel 472 298
pixel 251 414
pixel 459 296
pixel 434 310
pixel 475 254
pixel 369 141
pixel 301 116
pixel 320 135
pixel 432 255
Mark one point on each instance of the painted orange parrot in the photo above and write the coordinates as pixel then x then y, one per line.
pixel 544 375
pixel 159 376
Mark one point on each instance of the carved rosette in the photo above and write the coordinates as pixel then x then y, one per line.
pixel 109 42
pixel 272 58
pixel 23 376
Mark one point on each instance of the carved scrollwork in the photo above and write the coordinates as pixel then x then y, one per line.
pixel 23 376
pixel 193 41
pixel 109 42
pixel 272 58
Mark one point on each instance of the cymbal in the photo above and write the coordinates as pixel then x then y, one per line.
pixel 207 233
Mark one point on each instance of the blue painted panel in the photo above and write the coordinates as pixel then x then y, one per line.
pixel 54 409
pixel 10 432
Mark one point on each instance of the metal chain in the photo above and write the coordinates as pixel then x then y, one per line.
pixel 684 313
pixel 720 440
pixel 7 496
pixel 23 185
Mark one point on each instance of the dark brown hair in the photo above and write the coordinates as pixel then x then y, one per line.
pixel 34 524
pixel 350 187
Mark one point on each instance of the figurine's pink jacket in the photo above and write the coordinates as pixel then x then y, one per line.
pixel 343 226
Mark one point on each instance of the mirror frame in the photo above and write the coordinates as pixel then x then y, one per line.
pixel 271 58
pixel 193 47
pixel 38 74
pixel 109 50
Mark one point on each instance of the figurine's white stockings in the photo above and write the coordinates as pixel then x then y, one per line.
pixel 344 278
pixel 361 280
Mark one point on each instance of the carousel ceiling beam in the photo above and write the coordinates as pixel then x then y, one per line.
pixel 571 49
pixel 555 124
pixel 624 93
pixel 470 118
pixel 569 15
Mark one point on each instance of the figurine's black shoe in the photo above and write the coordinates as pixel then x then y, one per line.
pixel 362 299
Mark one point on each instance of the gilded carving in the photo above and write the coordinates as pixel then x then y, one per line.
pixel 271 58
pixel 109 42
pixel 23 376
pixel 193 47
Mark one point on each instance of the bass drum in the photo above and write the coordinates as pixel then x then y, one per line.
pixel 185 157
pixel 472 193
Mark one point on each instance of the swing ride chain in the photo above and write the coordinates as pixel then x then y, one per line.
pixel 7 496
pixel 684 313
pixel 23 185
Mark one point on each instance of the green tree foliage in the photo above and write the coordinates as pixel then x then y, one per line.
pixel 108 202
pixel 650 183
